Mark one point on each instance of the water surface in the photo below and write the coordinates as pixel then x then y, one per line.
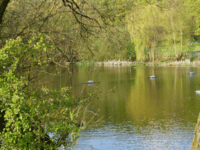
pixel 141 113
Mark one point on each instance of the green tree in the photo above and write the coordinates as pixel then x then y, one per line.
pixel 195 11
pixel 31 114
pixel 153 25
pixel 178 25
pixel 144 26
pixel 65 23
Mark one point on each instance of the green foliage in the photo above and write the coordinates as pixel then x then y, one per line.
pixel 195 47
pixel 115 11
pixel 142 24
pixel 152 25
pixel 32 53
pixel 85 63
pixel 195 11
pixel 111 43
pixel 131 49
pixel 31 114
pixel 73 40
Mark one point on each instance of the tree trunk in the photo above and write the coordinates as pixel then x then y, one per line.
pixel 172 21
pixel 196 140
pixel 3 6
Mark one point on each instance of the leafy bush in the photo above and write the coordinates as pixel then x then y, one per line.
pixel 31 114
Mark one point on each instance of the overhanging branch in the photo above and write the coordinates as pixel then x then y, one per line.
pixel 3 6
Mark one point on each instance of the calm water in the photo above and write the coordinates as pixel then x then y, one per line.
pixel 141 113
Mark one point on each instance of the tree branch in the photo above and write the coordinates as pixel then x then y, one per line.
pixel 3 6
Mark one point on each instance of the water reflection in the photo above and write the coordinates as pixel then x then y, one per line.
pixel 141 113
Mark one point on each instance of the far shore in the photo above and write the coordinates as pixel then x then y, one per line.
pixel 113 63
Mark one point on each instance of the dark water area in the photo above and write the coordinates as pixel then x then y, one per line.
pixel 141 113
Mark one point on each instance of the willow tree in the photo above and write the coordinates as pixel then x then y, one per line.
pixel 179 26
pixel 194 12
pixel 144 24
pixel 157 25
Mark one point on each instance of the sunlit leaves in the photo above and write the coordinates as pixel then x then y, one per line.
pixel 156 25
pixel 32 114
pixel 194 12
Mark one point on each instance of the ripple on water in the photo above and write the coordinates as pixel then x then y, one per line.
pixel 128 137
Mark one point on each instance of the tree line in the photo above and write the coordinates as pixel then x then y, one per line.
pixel 159 24
pixel 103 30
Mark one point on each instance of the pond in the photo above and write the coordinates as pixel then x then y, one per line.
pixel 141 113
